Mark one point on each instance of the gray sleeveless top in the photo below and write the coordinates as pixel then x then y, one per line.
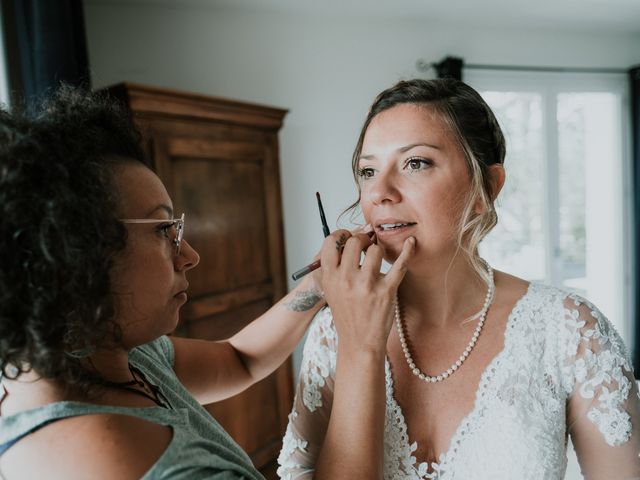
pixel 199 448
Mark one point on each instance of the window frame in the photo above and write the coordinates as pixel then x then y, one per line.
pixel 549 85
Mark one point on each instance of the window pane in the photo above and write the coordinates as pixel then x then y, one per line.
pixel 517 243
pixel 571 152
pixel 590 200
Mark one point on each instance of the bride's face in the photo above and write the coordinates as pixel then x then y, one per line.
pixel 414 181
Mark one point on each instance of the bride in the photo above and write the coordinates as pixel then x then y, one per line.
pixel 445 368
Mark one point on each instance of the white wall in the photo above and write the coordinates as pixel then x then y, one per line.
pixel 326 70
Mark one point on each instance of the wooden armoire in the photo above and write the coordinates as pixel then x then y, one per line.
pixel 219 161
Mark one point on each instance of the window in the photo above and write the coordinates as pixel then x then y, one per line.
pixel 4 82
pixel 564 213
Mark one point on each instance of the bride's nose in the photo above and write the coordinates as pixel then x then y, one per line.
pixel 384 189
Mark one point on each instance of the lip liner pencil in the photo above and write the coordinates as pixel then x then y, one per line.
pixel 323 219
pixel 305 270
pixel 325 229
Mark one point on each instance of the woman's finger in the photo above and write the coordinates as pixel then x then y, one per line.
pixel 367 229
pixel 399 268
pixel 354 248
pixel 372 260
pixel 331 251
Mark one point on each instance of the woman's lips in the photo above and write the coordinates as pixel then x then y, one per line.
pixel 181 296
pixel 388 230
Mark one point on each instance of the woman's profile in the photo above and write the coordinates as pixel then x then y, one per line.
pixel 95 265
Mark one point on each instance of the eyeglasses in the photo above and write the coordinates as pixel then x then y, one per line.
pixel 175 226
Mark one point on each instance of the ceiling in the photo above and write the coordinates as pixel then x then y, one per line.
pixel 610 16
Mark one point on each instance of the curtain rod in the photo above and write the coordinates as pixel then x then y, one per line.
pixel 423 66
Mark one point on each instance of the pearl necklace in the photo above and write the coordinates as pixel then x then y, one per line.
pixel 476 333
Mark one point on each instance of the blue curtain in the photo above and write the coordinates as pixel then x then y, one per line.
pixel 49 43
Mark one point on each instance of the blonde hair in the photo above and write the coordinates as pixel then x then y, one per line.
pixel 474 126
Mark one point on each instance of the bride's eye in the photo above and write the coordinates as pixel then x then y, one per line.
pixel 417 163
pixel 365 173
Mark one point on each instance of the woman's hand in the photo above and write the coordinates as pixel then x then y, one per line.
pixel 314 280
pixel 361 298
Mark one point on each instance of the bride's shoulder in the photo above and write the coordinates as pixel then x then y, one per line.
pixel 509 287
pixel 546 304
pixel 551 305
pixel 514 288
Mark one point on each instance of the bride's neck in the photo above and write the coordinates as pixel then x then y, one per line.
pixel 442 292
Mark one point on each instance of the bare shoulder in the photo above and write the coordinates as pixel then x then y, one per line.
pixel 93 446
pixel 509 288
pixel 510 283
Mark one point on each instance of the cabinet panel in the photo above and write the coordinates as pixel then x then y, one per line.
pixel 227 219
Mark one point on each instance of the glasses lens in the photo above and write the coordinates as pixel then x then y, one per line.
pixel 179 233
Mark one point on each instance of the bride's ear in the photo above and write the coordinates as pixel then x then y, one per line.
pixel 497 177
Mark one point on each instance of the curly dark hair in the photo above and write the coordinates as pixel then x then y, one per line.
pixel 59 232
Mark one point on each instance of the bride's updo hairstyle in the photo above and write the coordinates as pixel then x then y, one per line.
pixel 474 126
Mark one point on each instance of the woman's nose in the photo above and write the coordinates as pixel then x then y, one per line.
pixel 188 257
pixel 384 189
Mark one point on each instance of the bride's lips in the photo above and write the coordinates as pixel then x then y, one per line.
pixel 391 227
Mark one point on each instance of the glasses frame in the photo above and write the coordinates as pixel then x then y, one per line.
pixel 178 222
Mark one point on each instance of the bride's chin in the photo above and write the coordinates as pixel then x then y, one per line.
pixel 391 250
pixel 389 254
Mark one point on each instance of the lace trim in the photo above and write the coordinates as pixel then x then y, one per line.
pixel 397 427
pixel 599 369
pixel 320 359
pixel 398 453
pixel 290 443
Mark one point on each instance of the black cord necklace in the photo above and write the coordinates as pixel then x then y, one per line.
pixel 141 386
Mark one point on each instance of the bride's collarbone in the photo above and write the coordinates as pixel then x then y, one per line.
pixel 434 351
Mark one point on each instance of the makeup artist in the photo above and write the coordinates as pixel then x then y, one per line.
pixel 94 272
pixel 462 372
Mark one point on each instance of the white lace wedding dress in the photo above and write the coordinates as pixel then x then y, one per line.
pixel 559 354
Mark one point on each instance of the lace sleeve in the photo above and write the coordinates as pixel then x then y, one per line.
pixel 309 418
pixel 603 407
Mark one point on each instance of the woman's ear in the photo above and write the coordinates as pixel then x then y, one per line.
pixel 497 177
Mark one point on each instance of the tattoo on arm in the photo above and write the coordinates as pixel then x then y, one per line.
pixel 304 301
